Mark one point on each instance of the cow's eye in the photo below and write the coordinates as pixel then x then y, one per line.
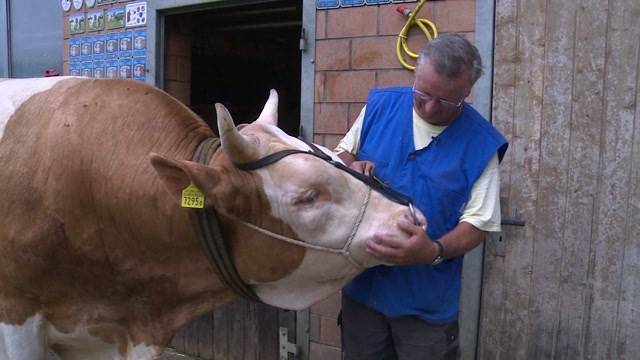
pixel 308 198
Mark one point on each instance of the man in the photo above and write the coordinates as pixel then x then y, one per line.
pixel 425 142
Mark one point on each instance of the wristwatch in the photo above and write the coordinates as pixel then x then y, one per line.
pixel 440 257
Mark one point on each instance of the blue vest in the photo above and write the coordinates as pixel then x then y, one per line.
pixel 439 178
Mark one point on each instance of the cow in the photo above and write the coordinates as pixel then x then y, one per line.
pixel 99 260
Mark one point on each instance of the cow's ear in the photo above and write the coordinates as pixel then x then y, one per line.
pixel 177 175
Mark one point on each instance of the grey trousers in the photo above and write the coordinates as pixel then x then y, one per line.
pixel 369 335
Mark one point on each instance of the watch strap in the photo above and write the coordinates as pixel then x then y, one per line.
pixel 440 256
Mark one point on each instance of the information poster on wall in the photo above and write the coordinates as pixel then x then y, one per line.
pixel 139 42
pixel 76 24
pixel 98 71
pixel 115 18
pixel 95 20
pixel 98 47
pixel 108 41
pixel 136 14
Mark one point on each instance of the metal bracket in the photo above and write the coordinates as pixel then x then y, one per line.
pixel 303 40
pixel 286 347
pixel 499 240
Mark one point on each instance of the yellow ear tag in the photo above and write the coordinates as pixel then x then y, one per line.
pixel 192 197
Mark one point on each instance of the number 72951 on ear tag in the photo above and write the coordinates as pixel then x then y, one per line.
pixel 192 197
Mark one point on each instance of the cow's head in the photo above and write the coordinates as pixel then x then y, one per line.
pixel 312 219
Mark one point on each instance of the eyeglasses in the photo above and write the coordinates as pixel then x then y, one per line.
pixel 424 97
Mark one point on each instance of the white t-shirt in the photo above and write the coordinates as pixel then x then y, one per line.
pixel 483 208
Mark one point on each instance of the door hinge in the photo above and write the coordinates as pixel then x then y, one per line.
pixel 303 40
pixel 286 347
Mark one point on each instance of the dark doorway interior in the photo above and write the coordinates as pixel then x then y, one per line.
pixel 239 53
pixel 234 54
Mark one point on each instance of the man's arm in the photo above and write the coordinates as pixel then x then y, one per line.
pixel 481 215
pixel 363 167
pixel 347 157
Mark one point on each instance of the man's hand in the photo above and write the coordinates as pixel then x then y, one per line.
pixel 417 249
pixel 363 167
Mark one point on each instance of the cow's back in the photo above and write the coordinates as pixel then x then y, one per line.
pixel 80 213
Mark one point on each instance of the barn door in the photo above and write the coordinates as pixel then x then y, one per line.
pixel 241 330
pixel 566 285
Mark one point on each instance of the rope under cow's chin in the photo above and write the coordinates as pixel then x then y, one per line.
pixel 344 251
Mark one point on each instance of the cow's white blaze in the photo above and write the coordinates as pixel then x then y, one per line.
pixel 303 287
pixel 327 223
pixel 14 92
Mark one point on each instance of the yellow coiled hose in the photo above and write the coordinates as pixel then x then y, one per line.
pixel 427 27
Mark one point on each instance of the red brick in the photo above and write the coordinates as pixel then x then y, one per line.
pixel 394 78
pixel 314 328
pixel 392 22
pixel 319 87
pixel 354 111
pixel 318 139
pixel 417 40
pixel 454 15
pixel 331 118
pixel 331 140
pixel 65 50
pixel 65 30
pixel 324 352
pixel 321 24
pixel 349 86
pixel 329 332
pixel 65 68
pixel 328 307
pixel 471 36
pixel 332 54
pixel 375 53
pixel 350 22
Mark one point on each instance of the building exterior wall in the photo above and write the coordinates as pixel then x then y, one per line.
pixel 30 38
pixel 355 51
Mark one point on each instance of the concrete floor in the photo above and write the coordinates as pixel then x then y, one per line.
pixel 169 354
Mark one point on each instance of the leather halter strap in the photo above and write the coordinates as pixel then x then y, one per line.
pixel 371 181
pixel 207 227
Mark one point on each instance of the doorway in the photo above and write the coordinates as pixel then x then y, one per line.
pixel 231 53
pixel 235 54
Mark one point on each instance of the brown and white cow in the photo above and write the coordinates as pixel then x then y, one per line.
pixel 97 258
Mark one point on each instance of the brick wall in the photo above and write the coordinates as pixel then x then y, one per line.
pixel 355 51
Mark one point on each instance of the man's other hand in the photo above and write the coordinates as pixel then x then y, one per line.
pixel 363 167
pixel 417 249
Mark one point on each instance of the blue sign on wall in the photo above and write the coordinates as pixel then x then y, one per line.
pixel 327 4
pixel 350 3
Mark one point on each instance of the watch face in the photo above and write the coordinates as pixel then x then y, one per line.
pixel 90 3
pixel 77 4
pixel 66 5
